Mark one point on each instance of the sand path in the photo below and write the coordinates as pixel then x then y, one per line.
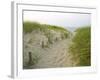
pixel 57 55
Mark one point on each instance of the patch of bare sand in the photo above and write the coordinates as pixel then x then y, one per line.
pixel 57 55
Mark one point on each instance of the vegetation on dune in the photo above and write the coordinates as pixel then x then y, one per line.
pixel 49 34
pixel 30 26
pixel 56 28
pixel 80 48
pixel 64 32
pixel 46 29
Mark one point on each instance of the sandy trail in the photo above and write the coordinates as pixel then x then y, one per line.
pixel 56 56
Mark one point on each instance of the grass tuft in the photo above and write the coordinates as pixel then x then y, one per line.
pixel 80 48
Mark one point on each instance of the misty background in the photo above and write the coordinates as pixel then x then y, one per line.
pixel 71 21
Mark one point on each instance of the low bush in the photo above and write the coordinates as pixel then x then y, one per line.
pixel 80 48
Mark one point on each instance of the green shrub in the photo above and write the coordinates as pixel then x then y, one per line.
pixel 80 48
pixel 30 26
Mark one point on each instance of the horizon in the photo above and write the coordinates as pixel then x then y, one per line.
pixel 58 19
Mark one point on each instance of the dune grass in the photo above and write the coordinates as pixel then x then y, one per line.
pixel 30 26
pixel 80 48
pixel 46 29
pixel 49 38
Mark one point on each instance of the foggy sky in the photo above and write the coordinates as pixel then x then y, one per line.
pixel 59 19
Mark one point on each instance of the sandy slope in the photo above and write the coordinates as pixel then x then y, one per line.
pixel 56 55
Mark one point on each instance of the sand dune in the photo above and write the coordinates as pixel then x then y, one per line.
pixel 56 55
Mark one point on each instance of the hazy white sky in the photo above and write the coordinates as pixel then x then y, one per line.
pixel 59 19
